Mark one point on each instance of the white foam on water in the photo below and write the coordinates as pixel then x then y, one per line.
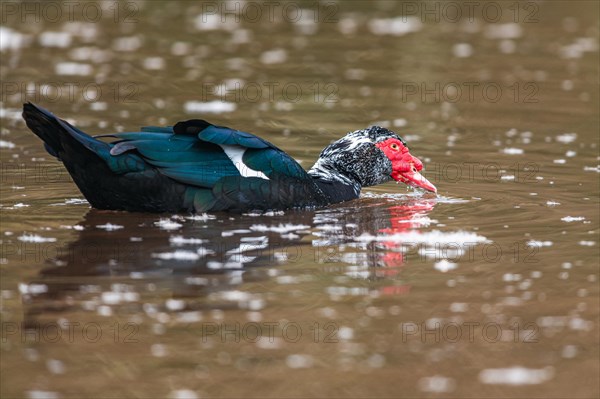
pixel 55 39
pixel 234 295
pixel 399 26
pixel 10 39
pixel 270 343
pixel 204 217
pixel 462 50
pixel 516 375
pixel 154 63
pixel 33 289
pixel 437 384
pixel 35 238
pixel 570 219
pixel 184 255
pixel 230 233
pixel 536 243
pixel 180 240
pixel 6 144
pixel 76 201
pixel 579 47
pixel 183 394
pixel 109 227
pixel 513 151
pixel 73 68
pixel 275 56
pixel 444 266
pixel 459 307
pixel 159 350
pixel 55 366
pixel 116 297
pixel 167 224
pixel 39 394
pixel 587 243
pixel 18 205
pixel 592 169
pixel 566 138
pixel 127 43
pixel 10 113
pixel 175 304
pixel 281 228
pixel 569 351
pixel 76 227
pixel 213 107
pixel 299 361
pixel 72 201
pixel 503 31
pixel 429 238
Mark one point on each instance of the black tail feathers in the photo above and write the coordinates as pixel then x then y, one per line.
pixel 45 125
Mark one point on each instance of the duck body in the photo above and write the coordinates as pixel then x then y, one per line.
pixel 195 166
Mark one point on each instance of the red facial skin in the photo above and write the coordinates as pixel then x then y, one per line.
pixel 405 167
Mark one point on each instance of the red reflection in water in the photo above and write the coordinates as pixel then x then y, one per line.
pixel 403 218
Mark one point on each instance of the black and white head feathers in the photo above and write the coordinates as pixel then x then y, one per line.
pixel 355 160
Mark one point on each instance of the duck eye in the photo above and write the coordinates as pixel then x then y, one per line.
pixel 394 146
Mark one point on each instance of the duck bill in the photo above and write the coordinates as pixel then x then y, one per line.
pixel 415 179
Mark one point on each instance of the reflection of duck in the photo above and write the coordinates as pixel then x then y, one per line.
pixel 197 166
pixel 206 245
pixel 142 247
pixel 342 228
pixel 209 254
pixel 403 218
pixel 201 256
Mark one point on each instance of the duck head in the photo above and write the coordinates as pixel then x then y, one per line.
pixel 369 157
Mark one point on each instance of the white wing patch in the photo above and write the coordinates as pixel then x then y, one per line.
pixel 235 154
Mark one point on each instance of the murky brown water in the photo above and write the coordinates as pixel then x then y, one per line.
pixel 488 290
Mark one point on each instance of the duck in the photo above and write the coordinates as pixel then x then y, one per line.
pixel 196 166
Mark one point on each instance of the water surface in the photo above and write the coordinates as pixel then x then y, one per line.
pixel 489 289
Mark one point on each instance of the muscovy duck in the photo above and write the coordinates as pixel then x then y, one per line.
pixel 196 166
